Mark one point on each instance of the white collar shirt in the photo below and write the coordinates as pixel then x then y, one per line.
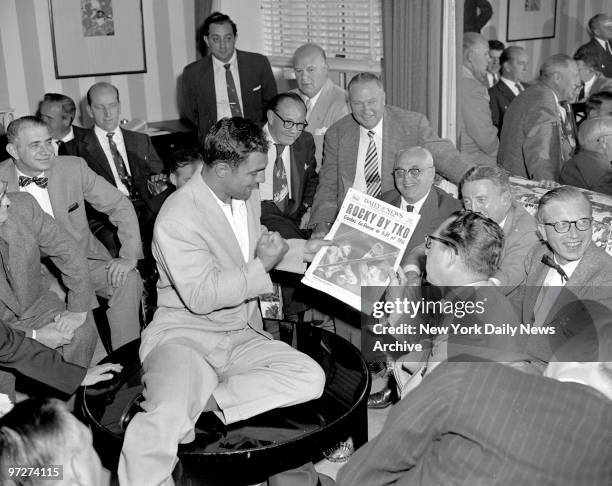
pixel 416 207
pixel 513 85
pixel 223 106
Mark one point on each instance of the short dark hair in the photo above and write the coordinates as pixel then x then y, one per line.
pixel 279 98
pixel 596 99
pixel 68 106
pixel 182 158
pixel 496 174
pixel 496 45
pixel 101 84
pixel 232 140
pixel 593 21
pixel 478 239
pixel 564 193
pixel 364 78
pixel 217 18
pixel 588 57
pixel 15 127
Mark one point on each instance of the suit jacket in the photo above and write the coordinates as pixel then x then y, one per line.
pixel 528 430
pixel 500 97
pixel 604 58
pixel 71 184
pixel 402 129
pixel 37 361
pixel 438 206
pixel 331 105
pixel 477 135
pixel 588 169
pixel 257 87
pixel 28 232
pixel 531 136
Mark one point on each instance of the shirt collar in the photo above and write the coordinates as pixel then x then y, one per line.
pixel 416 205
pixel 569 267
pixel 69 136
pixel 221 65
pixel 377 129
pixel 101 134
pixel 19 173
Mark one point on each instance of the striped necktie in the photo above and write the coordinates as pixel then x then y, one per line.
pixel 372 175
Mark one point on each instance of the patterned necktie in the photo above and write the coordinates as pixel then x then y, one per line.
pixel 280 188
pixel 232 94
pixel 308 104
pixel 372 176
pixel 41 182
pixel 125 178
pixel 568 132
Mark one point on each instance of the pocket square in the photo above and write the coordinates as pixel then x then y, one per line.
pixel 72 207
pixel 257 88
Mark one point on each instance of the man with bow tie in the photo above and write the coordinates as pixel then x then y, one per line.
pixel 61 186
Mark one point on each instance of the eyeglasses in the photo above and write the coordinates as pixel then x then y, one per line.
pixel 416 173
pixel 449 243
pixel 581 224
pixel 288 124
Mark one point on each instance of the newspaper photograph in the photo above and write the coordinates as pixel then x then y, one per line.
pixel 370 237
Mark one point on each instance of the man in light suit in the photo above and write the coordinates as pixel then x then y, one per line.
pixel 514 63
pixel 205 348
pixel 600 28
pixel 227 82
pixel 539 131
pixel 373 132
pixel 568 281
pixel 326 103
pixel 69 184
pixel 477 136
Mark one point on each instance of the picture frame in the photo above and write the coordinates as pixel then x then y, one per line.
pixel 531 19
pixel 97 37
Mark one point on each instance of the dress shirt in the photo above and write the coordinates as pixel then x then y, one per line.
pixel 603 44
pixel 416 207
pixel 265 188
pixel 223 106
pixel 118 139
pixel 513 85
pixel 364 141
pixel 312 101
pixel 69 136
pixel 41 195
pixel 588 86
pixel 553 278
pixel 237 217
pixel 492 79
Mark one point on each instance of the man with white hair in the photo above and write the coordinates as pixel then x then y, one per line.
pixel 590 167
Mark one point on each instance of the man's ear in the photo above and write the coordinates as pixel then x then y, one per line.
pixel 269 116
pixel 206 41
pixel 172 178
pixel 89 110
pixel 12 150
pixel 221 169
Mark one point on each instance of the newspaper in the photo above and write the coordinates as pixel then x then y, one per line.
pixel 370 236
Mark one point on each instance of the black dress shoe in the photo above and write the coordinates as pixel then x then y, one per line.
pixel 381 399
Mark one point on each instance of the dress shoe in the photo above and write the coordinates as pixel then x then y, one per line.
pixel 381 399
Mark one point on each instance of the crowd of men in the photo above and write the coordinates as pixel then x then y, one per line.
pixel 85 212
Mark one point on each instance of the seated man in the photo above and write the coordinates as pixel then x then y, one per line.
pixel 478 423
pixel 568 281
pixel 42 434
pixel 205 349
pixel 590 168
pixel 58 111
pixel 599 104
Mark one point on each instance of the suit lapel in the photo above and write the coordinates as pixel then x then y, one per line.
pixel 349 148
pixel 207 88
pixel 7 231
pixel 95 156
pixel 245 73
pixel 297 175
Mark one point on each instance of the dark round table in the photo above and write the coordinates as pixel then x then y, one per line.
pixel 246 452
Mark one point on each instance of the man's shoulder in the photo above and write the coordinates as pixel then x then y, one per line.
pixel 197 67
pixel 402 114
pixel 598 263
pixel 250 56
pixel 445 200
pixel 304 140
pixel 23 206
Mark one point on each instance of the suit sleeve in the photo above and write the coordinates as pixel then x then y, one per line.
pixel 268 86
pixel 107 199
pixel 311 178
pixel 190 105
pixel 541 147
pixel 325 202
pixel 37 361
pixel 67 256
pixel 495 108
pixel 476 114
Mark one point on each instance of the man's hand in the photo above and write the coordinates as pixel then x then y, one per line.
pixel 117 269
pixel 312 246
pixel 305 218
pixel 157 184
pixel 320 230
pixel 69 321
pixel 270 249
pixel 99 373
pixel 52 337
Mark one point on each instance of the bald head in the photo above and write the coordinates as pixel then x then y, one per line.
pixel 310 67
pixel 560 72
pixel 596 134
pixel 414 173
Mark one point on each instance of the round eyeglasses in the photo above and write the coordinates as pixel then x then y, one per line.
pixel 416 173
pixel 289 124
pixel 581 224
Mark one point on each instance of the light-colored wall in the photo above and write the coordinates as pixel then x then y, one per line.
pixel 570 31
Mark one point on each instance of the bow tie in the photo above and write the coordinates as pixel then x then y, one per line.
pixel 549 261
pixel 39 181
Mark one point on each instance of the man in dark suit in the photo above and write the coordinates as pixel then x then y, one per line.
pixel 353 144
pixel 514 73
pixel 58 111
pixel 227 82
pixel 600 28
pixel 593 80
pixel 125 159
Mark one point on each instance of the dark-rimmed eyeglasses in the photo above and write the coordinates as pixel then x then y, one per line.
pixel 289 124
pixel 581 224
pixel 416 173
pixel 444 241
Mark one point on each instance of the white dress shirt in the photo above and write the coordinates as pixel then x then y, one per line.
pixel 513 85
pixel 41 195
pixel 266 188
pixel 364 141
pixel 118 139
pixel 416 207
pixel 311 102
pixel 69 136
pixel 553 278
pixel 223 106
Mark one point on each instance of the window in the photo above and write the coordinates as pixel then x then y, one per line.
pixel 350 31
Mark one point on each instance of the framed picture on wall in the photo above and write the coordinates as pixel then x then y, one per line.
pixel 97 37
pixel 531 19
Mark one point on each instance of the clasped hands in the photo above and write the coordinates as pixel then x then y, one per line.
pixel 271 248
pixel 61 330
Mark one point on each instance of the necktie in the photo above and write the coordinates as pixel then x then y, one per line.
pixel 549 261
pixel 409 208
pixel 232 94
pixel 568 131
pixel 608 50
pixel 372 176
pixel 519 86
pixel 125 178
pixel 280 188
pixel 41 182
pixel 58 144
pixel 582 94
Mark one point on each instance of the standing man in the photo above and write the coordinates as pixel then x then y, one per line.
pixel 539 131
pixel 325 102
pixel 514 73
pixel 477 135
pixel 58 111
pixel 600 28
pixel 227 82
pixel 205 349
pixel 360 149
pixel 493 68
